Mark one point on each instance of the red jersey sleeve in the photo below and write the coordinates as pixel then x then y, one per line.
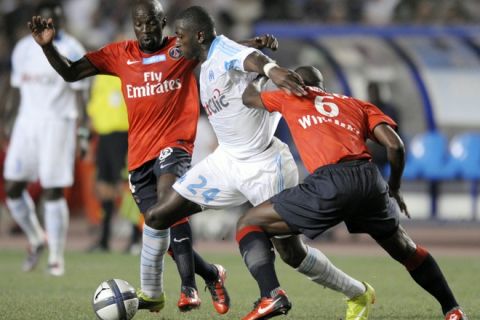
pixel 375 117
pixel 273 100
pixel 105 59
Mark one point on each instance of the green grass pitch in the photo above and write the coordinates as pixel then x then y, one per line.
pixel 37 296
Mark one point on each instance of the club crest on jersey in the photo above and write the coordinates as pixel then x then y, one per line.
pixel 154 59
pixel 165 153
pixel 175 53
pixel 232 64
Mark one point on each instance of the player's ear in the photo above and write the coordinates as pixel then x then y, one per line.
pixel 201 37
pixel 164 22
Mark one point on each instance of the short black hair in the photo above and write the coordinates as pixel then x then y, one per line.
pixel 311 76
pixel 154 5
pixel 198 19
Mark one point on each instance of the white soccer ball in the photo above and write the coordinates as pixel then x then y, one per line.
pixel 115 299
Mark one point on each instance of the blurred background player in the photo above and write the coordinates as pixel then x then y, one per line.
pixel 42 144
pixel 108 117
pixel 343 186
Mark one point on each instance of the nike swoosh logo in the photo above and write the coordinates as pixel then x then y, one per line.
pixel 270 306
pixel 129 62
pixel 180 240
pixel 165 165
pixel 360 315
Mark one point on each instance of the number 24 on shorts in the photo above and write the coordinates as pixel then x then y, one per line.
pixel 208 194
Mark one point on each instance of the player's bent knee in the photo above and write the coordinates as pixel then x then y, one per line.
pixel 248 219
pixel 291 250
pixel 155 219
pixel 242 222
pixel 14 189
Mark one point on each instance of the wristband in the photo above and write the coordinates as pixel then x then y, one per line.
pixel 269 66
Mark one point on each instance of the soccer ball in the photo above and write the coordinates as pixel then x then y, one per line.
pixel 115 299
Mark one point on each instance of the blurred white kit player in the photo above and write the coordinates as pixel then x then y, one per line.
pixel 42 145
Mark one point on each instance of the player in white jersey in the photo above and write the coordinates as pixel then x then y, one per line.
pixel 42 144
pixel 249 164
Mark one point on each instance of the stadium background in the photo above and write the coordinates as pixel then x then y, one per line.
pixel 423 55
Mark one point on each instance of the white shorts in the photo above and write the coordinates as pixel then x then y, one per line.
pixel 221 181
pixel 42 149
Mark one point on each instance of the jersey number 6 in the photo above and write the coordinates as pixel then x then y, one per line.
pixel 320 105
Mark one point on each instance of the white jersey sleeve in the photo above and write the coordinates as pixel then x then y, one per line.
pixel 241 131
pixel 43 92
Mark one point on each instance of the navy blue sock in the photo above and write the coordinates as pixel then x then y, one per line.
pixel 425 271
pixel 181 246
pixel 257 252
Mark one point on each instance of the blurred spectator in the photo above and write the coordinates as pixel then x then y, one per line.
pixel 317 10
pixel 437 11
pixel 379 12
pixel 280 10
pixel 354 11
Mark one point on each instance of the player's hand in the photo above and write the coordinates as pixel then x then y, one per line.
pixel 287 80
pixel 42 30
pixel 267 41
pixel 401 203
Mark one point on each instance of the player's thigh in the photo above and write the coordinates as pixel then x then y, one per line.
pixel 375 213
pixel 267 175
pixel 143 186
pixel 312 207
pixel 209 183
pixel 57 156
pixel 21 162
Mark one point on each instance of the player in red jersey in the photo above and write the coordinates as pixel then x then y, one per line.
pixel 161 95
pixel 329 131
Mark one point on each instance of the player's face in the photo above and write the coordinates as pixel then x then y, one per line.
pixel 186 41
pixel 148 26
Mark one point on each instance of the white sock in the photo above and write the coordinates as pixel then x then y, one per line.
pixel 23 212
pixel 56 225
pixel 155 245
pixel 318 268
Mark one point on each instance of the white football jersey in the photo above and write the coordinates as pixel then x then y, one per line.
pixel 43 92
pixel 241 131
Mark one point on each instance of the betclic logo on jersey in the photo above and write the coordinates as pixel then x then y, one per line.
pixel 216 103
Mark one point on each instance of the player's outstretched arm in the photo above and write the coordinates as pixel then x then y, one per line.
pixel 43 31
pixel 396 158
pixel 283 78
pixel 266 41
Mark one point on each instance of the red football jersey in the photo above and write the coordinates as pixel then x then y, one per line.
pixel 161 95
pixel 327 127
